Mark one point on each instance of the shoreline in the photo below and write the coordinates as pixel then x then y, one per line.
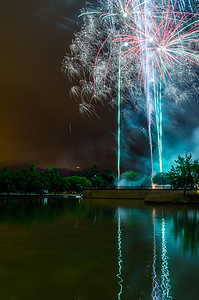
pixel 175 198
pixel 69 195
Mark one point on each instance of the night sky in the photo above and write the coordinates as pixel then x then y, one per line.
pixel 36 112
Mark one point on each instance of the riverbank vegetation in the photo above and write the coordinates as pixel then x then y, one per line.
pixel 184 175
pixel 31 180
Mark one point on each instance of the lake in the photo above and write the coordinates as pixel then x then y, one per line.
pixel 100 249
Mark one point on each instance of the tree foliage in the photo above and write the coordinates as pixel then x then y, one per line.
pixel 97 178
pixel 185 175
pixel 76 183
pixel 5 180
pixel 161 178
pixel 108 177
pixel 146 181
pixel 31 181
pixel 131 176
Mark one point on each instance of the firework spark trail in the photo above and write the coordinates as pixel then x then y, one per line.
pixel 119 123
pixel 112 24
pixel 149 86
pixel 158 112
pixel 147 71
pixel 167 38
pixel 133 39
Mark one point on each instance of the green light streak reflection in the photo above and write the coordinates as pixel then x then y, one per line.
pixel 165 285
pixel 119 256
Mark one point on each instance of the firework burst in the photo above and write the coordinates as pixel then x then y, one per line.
pixel 131 45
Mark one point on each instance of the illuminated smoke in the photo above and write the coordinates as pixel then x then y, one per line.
pixel 148 47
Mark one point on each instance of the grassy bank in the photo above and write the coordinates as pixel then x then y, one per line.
pixel 173 198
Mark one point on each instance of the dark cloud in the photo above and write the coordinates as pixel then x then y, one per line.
pixel 35 109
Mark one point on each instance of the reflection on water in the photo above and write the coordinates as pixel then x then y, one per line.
pixel 26 211
pixel 45 201
pixel 68 249
pixel 186 229
pixel 164 292
pixel 119 255
pixel 155 281
pixel 165 269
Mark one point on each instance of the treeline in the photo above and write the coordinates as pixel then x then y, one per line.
pixel 32 181
pixel 183 175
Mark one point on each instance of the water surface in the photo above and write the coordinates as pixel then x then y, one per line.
pixel 102 249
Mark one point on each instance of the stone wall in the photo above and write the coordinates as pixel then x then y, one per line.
pixel 124 193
